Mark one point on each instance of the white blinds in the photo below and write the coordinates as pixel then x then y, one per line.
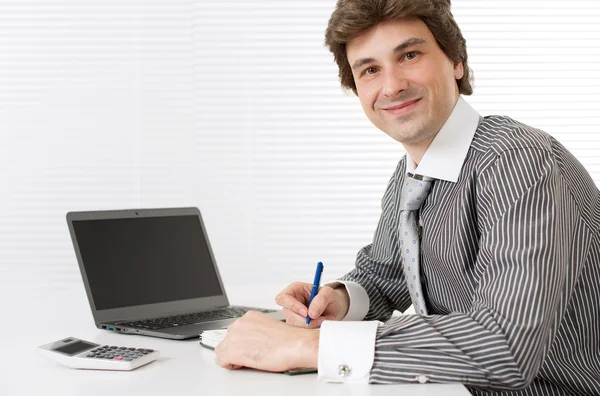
pixel 235 107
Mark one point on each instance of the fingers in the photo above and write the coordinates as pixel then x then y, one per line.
pixel 223 356
pixel 322 300
pixel 294 310
pixel 298 290
pixel 295 297
pixel 294 319
pixel 223 360
pixel 231 366
pixel 290 303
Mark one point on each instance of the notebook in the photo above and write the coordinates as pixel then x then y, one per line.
pixel 152 272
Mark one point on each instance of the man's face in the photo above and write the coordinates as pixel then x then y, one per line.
pixel 405 83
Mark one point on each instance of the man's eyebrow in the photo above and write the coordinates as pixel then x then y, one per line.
pixel 361 62
pixel 411 42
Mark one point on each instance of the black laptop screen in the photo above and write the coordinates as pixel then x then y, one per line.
pixel 138 261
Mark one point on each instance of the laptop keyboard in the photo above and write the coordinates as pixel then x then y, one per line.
pixel 192 318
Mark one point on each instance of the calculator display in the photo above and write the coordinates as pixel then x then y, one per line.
pixel 74 348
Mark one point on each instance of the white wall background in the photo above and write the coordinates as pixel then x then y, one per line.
pixel 235 107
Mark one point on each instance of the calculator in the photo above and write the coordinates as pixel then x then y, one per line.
pixel 80 354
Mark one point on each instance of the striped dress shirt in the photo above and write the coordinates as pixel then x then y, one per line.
pixel 510 267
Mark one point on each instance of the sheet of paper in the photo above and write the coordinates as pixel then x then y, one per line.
pixel 211 338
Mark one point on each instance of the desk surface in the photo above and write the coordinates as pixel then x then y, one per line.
pixel 183 368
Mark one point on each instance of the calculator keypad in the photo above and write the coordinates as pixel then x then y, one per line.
pixel 118 353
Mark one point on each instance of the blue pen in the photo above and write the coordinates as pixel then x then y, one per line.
pixel 315 288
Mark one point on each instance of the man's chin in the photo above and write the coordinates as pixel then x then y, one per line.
pixel 407 135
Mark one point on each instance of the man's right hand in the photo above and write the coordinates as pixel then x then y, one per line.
pixel 329 304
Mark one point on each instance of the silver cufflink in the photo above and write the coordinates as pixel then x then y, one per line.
pixel 343 370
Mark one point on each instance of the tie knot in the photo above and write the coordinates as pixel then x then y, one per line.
pixel 414 192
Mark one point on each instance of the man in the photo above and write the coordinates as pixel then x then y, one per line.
pixel 501 257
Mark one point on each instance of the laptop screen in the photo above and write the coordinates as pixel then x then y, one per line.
pixel 146 260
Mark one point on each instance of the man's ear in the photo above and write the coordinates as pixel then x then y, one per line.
pixel 459 71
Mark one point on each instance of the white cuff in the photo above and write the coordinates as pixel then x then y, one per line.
pixel 359 300
pixel 346 351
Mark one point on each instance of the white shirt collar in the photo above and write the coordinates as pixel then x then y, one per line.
pixel 447 152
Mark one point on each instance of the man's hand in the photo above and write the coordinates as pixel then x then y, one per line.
pixel 261 342
pixel 328 304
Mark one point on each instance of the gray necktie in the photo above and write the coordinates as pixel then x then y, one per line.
pixel 413 194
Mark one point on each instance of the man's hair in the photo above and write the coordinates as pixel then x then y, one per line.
pixel 354 17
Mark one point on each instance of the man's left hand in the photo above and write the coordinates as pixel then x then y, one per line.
pixel 261 342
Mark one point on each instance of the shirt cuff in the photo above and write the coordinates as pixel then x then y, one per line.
pixel 346 351
pixel 359 300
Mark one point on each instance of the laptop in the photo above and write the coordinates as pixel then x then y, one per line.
pixel 152 272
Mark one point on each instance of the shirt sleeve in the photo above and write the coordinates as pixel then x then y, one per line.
pixel 524 255
pixel 346 351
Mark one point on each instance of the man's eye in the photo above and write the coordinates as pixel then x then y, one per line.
pixel 410 55
pixel 370 70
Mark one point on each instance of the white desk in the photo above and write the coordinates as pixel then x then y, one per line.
pixel 184 367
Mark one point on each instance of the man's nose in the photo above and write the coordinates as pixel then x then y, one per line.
pixel 394 83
